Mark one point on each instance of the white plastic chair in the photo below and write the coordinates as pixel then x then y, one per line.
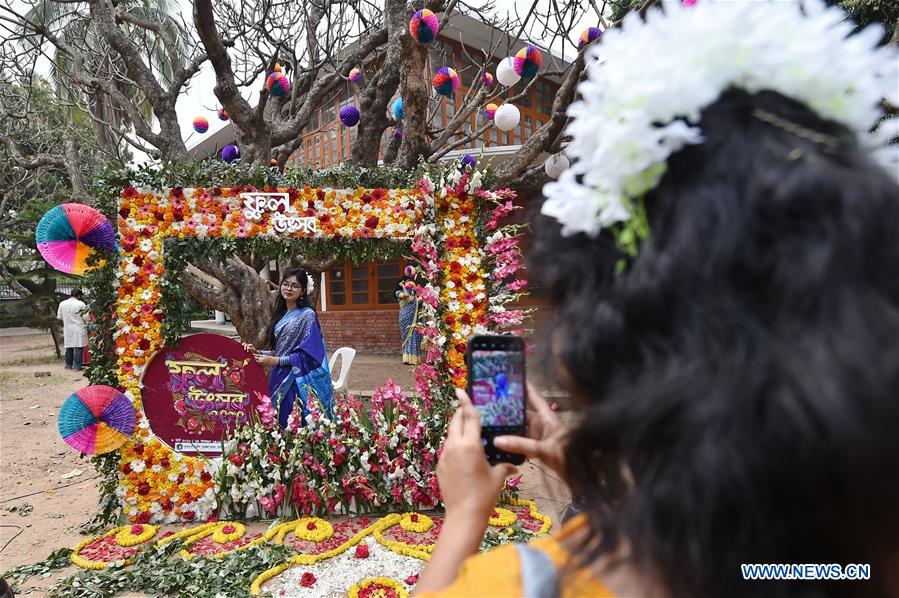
pixel 346 355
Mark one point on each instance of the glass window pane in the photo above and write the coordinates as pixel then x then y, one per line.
pixel 338 287
pixel 389 269
pixel 360 272
pixel 360 298
pixel 338 299
pixel 386 297
pixel 360 286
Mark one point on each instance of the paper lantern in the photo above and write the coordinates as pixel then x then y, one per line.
pixel 445 81
pixel 355 75
pixel 590 35
pixel 201 125
pixel 527 61
pixel 349 116
pixel 274 163
pixel 555 165
pixel 409 271
pixel 223 115
pixel 507 117
pixel 397 133
pixel 396 109
pixel 487 79
pixel 230 153
pixel 505 72
pixel 467 160
pixel 490 111
pixel 277 84
pixel 424 26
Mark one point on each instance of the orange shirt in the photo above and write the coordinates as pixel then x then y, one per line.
pixel 498 571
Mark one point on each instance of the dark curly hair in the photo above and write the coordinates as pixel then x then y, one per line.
pixel 739 381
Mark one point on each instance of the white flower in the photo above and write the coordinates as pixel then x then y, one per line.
pixel 137 465
pixel 629 121
pixel 145 245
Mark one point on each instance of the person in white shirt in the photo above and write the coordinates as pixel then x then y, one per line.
pixel 71 312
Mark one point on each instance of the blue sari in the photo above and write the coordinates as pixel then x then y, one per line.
pixel 299 335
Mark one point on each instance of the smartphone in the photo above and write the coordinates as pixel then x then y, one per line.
pixel 496 387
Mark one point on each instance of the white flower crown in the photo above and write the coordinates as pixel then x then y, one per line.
pixel 648 82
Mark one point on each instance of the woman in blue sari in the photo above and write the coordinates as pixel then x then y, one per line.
pixel 299 363
pixel 409 316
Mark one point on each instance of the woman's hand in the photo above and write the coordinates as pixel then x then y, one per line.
pixel 546 435
pixel 266 360
pixel 469 484
pixel 248 347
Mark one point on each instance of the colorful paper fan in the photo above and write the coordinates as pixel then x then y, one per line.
pixel 277 84
pixel 589 35
pixel 67 234
pixel 222 114
pixel 424 26
pixel 528 61
pixel 96 420
pixel 445 81
pixel 355 75
pixel 487 79
pixel 490 110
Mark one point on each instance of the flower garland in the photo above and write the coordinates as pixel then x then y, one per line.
pixel 313 529
pixel 416 522
pixel 378 586
pixel 502 518
pixel 546 522
pixel 134 535
pixel 228 532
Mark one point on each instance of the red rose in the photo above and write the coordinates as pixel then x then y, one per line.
pixel 143 488
pixel 461 347
pixel 143 517
pixel 180 478
pixel 466 319
pixel 139 448
pixel 378 194
pixel 495 514
pixel 177 192
pixel 229 529
pixel 371 222
pixel 361 551
pixel 320 193
pixel 236 459
pixel 126 468
pixel 311 525
pixel 144 344
pixel 166 505
pixel 412 580
pixel 189 515
pixel 129 193
pixel 137 529
pixel 205 476
pixel 308 580
pixel 366 198
pixel 413 518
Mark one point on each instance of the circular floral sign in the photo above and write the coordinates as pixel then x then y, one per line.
pixel 194 396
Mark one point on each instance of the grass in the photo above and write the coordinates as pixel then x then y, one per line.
pixel 33 360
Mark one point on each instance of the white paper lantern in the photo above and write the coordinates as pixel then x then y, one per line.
pixel 505 72
pixel 555 165
pixel 507 117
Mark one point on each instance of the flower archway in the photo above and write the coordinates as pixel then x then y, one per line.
pixel 380 459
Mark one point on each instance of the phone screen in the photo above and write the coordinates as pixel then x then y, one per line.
pixel 497 387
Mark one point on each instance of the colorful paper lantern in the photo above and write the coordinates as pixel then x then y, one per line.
pixel 398 133
pixel 349 116
pixel 277 84
pixel 223 115
pixel 424 26
pixel 445 81
pixel 396 109
pixel 96 420
pixel 409 271
pixel 230 153
pixel 555 165
pixel 490 110
pixel 355 75
pixel 201 125
pixel 507 117
pixel 590 35
pixel 67 234
pixel 505 72
pixel 528 61
pixel 487 79
pixel 467 160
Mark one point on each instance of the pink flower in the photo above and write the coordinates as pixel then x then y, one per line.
pixel 236 459
pixel 308 580
pixel 362 551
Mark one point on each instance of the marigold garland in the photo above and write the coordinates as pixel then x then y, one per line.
pixel 547 523
pixel 186 533
pixel 96 565
pixel 212 530
pixel 502 518
pixel 228 532
pixel 386 582
pixel 416 522
pixel 313 529
pixel 134 535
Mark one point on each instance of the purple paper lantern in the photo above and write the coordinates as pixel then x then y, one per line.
pixel 230 153
pixel 467 160
pixel 349 116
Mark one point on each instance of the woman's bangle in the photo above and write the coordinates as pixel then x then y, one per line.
pixel 284 360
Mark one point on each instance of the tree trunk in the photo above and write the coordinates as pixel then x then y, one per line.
pixel 415 93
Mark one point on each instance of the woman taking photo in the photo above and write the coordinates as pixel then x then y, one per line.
pixel 734 357
pixel 299 363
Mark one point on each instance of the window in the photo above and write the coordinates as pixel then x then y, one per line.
pixel 544 93
pixel 363 286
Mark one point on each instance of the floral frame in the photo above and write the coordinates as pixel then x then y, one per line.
pixel 470 265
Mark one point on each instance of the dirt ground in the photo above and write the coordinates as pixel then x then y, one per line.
pixel 44 499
